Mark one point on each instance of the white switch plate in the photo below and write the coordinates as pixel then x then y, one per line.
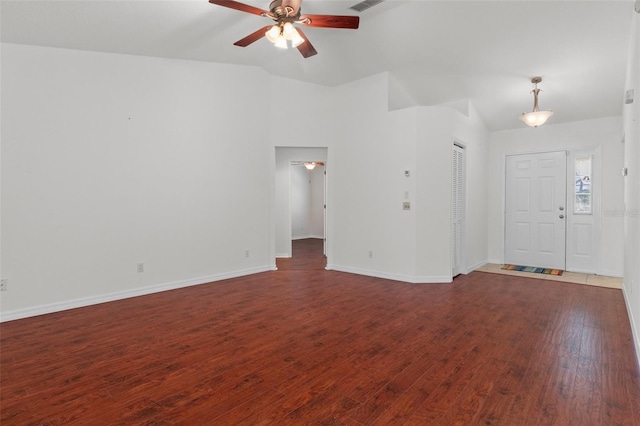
pixel 628 97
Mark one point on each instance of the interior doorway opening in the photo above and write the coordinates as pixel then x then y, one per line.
pixel 301 206
pixel 307 192
pixel 308 214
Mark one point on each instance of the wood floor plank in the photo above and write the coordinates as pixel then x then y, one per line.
pixel 303 345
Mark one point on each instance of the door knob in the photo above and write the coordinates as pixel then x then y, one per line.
pixel 561 208
pixel 561 216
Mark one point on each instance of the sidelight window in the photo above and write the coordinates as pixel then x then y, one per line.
pixel 583 196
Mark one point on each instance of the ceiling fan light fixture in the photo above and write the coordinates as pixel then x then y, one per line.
pixel 286 13
pixel 296 39
pixel 536 117
pixel 310 165
pixel 273 33
pixel 281 42
pixel 288 30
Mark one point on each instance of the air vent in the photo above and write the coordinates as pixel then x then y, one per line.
pixel 364 5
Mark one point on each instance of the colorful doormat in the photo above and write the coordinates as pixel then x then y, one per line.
pixel 533 269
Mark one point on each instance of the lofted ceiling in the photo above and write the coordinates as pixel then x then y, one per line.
pixel 436 52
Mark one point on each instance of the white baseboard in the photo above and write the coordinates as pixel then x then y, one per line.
pixel 476 266
pixel 635 333
pixel 579 271
pixel 306 237
pixel 496 261
pixel 283 255
pixel 395 277
pixel 617 274
pixel 110 297
pixel 601 273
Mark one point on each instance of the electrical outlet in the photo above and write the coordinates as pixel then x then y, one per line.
pixel 140 267
pixel 4 283
pixel 246 253
pixel 406 205
pixel 370 254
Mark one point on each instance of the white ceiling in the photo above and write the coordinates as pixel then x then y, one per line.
pixel 437 52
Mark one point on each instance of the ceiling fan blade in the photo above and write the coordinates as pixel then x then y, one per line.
pixel 239 6
pixel 331 21
pixel 306 48
pixel 255 36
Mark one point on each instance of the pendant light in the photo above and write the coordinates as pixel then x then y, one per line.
pixel 536 117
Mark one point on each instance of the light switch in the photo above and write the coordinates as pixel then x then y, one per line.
pixel 628 97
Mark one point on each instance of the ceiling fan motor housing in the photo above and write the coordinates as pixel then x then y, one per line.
pixel 285 8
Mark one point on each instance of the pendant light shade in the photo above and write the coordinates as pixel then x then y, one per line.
pixel 536 117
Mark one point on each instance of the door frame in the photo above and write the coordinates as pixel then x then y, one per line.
pixel 596 153
pixel 280 197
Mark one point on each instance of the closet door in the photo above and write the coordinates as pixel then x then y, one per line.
pixel 457 209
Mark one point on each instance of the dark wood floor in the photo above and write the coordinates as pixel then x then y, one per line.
pixel 307 346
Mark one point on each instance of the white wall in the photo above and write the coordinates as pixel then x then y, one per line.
pixel 372 149
pixel 631 118
pixel 433 229
pixel 439 127
pixel 109 160
pixel 606 134
pixel 471 131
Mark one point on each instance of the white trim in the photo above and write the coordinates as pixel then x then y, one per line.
pixel 617 274
pixel 110 297
pixel 635 333
pixel 387 276
pixel 477 266
pixel 283 255
pixel 306 237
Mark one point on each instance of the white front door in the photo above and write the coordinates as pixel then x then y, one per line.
pixel 535 210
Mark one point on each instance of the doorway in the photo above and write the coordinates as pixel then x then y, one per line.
pixel 308 201
pixel 535 215
pixel 290 163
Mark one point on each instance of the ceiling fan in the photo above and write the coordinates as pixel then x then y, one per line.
pixel 285 13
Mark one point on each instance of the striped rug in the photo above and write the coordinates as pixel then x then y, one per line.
pixel 533 269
